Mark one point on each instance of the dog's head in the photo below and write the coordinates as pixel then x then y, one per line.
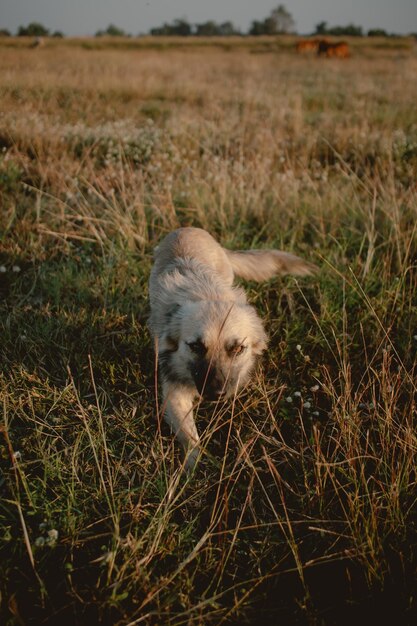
pixel 212 346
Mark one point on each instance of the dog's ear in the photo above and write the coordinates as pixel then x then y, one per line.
pixel 169 340
pixel 168 343
pixel 258 334
pixel 260 341
pixel 259 345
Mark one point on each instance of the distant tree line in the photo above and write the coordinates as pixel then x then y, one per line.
pixel 182 28
pixel 112 31
pixel 351 30
pixel 34 29
pixel 278 22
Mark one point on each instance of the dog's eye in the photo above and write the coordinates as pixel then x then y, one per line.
pixel 197 347
pixel 236 350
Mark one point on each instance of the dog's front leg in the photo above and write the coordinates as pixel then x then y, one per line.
pixel 178 401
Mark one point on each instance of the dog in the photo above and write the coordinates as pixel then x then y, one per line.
pixel 207 337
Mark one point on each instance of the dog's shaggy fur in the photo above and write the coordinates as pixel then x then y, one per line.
pixel 207 336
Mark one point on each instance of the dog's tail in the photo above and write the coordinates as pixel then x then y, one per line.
pixel 263 264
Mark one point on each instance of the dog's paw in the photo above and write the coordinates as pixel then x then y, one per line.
pixel 191 458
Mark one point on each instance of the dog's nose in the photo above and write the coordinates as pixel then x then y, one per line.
pixel 209 383
pixel 213 394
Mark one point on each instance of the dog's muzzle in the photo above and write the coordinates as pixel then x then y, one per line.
pixel 210 383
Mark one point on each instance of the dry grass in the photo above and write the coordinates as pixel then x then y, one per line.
pixel 303 506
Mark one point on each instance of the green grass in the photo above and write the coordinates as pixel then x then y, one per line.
pixel 302 509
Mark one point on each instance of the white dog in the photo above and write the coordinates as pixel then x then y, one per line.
pixel 207 336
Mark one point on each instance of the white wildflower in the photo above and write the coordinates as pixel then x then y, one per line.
pixel 52 537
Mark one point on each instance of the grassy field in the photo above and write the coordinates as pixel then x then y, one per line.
pixel 303 508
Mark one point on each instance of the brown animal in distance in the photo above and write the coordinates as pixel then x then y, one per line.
pixel 307 45
pixel 328 49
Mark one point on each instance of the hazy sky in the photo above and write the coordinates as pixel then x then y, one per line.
pixel 84 17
